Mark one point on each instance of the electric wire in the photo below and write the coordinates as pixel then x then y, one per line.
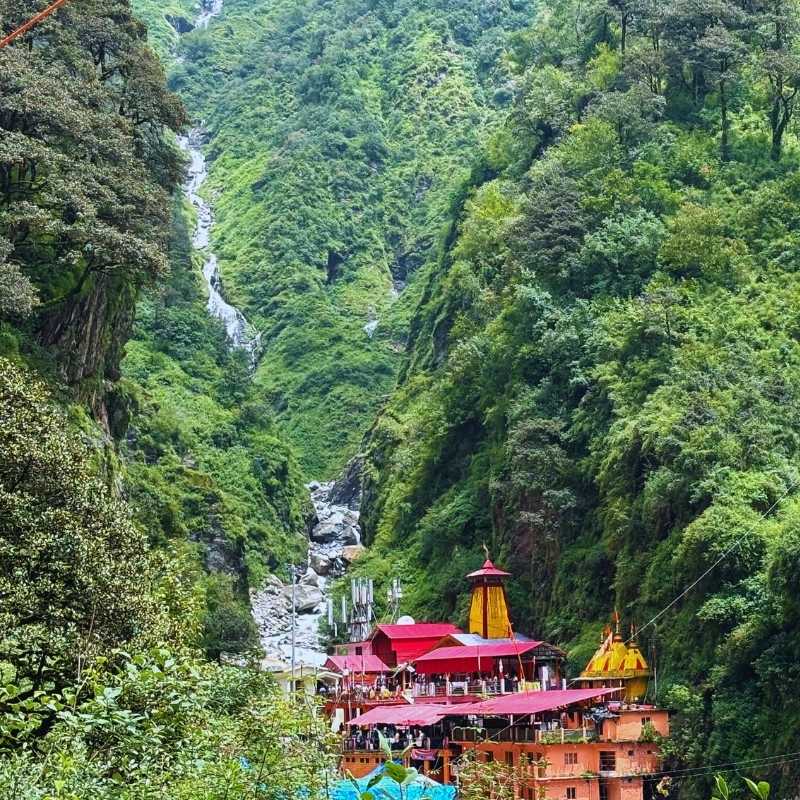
pixel 716 563
pixel 717 771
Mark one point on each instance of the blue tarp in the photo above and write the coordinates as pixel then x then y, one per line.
pixel 386 789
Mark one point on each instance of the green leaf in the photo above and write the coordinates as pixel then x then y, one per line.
pixel 396 772
pixel 411 776
pixel 385 745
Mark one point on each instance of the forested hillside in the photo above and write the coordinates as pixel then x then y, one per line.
pixel 603 379
pixel 105 608
pixel 335 132
pixel 538 262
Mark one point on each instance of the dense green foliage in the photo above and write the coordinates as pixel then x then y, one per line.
pixel 104 605
pixel 336 129
pixel 101 696
pixel 153 726
pixel 203 460
pixel 604 376
pixel 86 171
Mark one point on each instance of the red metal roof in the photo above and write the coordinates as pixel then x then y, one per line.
pixel 471 657
pixel 529 702
pixel 401 716
pixel 419 630
pixel 355 663
pixel 487 570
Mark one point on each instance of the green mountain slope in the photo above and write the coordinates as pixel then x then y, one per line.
pixel 336 133
pixel 603 382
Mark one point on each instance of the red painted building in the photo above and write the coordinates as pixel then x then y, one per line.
pixel 400 644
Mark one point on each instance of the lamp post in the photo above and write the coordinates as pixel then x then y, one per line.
pixel 292 576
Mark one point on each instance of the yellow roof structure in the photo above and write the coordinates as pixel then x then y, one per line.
pixel 616 660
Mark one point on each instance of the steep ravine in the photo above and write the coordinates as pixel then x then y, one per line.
pixel 335 536
pixel 335 541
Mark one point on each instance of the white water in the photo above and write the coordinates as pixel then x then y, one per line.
pixel 271 606
pixel 208 10
pixel 236 325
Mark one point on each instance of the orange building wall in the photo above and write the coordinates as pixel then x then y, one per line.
pixel 631 760
pixel 628 727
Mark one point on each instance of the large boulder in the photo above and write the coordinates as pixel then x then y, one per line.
pixel 310 578
pixel 326 532
pixel 320 563
pixel 307 598
pixel 353 552
pixel 272 584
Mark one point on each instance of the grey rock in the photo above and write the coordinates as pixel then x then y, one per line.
pixel 307 598
pixel 346 491
pixel 350 535
pixel 310 579
pixel 320 563
pixel 325 532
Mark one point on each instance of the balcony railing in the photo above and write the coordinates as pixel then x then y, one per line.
pixel 525 734
pixel 455 688
pixel 566 736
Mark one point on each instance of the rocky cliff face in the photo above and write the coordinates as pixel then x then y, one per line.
pixel 87 335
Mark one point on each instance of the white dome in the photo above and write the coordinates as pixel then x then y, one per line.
pixel 406 620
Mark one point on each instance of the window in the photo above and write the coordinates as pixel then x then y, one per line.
pixel 572 793
pixel 630 753
pixel 489 758
pixel 509 758
pixel 608 761
pixel 646 721
pixel 359 651
pixel 603 787
pixel 570 759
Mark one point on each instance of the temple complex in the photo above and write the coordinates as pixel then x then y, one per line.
pixel 436 693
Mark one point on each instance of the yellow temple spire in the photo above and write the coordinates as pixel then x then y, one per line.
pixel 618 663
pixel 488 610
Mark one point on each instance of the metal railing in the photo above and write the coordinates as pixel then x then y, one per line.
pixel 489 688
pixel 525 734
pixel 566 736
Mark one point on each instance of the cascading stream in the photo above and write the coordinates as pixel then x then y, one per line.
pixel 336 537
pixel 236 325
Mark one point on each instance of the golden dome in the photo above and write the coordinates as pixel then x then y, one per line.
pixel 619 663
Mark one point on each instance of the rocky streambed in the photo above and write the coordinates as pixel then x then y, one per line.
pixel 334 543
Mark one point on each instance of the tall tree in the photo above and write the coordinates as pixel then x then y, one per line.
pixel 778 30
pixel 720 52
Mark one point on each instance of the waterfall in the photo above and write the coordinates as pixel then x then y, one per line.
pixel 236 326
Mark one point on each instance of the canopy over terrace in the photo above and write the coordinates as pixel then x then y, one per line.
pixel 368 664
pixel 402 716
pixel 526 703
pixel 471 658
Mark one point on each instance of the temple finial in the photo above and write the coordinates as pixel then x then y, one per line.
pixel 486 550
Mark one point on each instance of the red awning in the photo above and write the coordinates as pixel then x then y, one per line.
pixel 368 664
pixel 470 658
pixel 525 703
pixel 401 716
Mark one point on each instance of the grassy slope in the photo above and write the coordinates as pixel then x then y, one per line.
pixel 338 130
